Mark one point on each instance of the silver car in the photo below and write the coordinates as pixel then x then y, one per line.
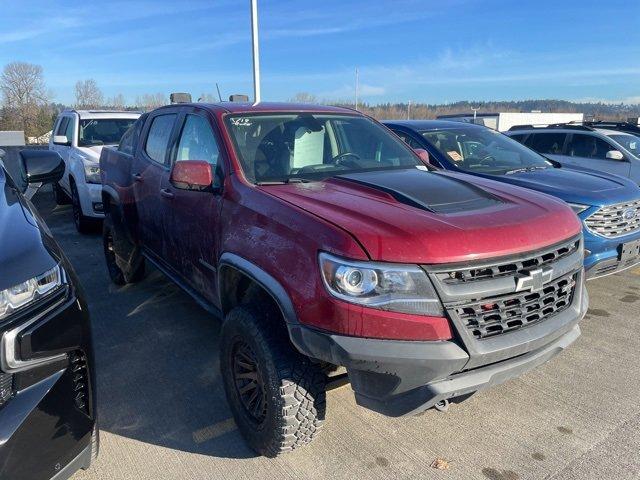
pixel 599 149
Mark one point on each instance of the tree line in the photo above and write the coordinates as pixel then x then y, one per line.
pixel 27 104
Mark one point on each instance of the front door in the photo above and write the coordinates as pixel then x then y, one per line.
pixel 150 167
pixel 588 151
pixel 65 127
pixel 192 217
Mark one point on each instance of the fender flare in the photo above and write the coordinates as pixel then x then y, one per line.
pixel 264 279
pixel 109 190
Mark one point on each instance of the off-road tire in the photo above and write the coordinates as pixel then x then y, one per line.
pixel 59 195
pixel 294 387
pixel 116 274
pixel 83 223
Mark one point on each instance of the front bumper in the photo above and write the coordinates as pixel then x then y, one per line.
pixel 46 425
pixel 90 195
pixel 605 255
pixel 398 378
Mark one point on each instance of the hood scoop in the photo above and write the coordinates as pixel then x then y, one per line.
pixel 429 191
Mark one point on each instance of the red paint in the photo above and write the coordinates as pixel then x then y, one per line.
pixel 281 228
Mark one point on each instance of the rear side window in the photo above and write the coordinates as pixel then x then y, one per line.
pixel 130 138
pixel 547 142
pixel 588 146
pixel 197 141
pixel 519 137
pixel 158 137
pixel 407 139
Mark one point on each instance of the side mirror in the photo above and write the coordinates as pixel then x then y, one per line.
pixel 425 157
pixel 61 140
pixel 615 155
pixel 194 175
pixel 40 167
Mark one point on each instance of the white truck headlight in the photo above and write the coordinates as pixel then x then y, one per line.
pixel 21 295
pixel 92 173
pixel 393 287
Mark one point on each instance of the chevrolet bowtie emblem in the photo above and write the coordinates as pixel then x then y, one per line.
pixel 535 280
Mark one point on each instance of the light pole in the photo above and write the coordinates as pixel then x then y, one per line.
pixel 356 88
pixel 256 51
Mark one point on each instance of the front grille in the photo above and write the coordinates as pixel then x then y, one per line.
pixel 615 220
pixel 502 314
pixel 6 387
pixel 507 268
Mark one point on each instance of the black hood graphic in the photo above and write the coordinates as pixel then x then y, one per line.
pixel 427 190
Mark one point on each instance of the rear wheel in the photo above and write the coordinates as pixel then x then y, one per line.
pixel 277 395
pixel 116 274
pixel 83 223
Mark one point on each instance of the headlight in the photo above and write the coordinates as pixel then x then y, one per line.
pixel 398 288
pixel 20 295
pixel 92 173
pixel 578 208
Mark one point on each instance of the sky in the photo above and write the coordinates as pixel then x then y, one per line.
pixel 405 50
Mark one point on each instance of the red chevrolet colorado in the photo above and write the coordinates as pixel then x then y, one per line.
pixel 323 241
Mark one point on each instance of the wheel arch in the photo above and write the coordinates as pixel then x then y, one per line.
pixel 235 271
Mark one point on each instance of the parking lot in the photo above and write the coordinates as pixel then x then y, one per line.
pixel 163 414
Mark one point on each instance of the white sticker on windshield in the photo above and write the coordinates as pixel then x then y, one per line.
pixel 241 122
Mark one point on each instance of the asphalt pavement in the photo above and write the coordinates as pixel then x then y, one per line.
pixel 163 413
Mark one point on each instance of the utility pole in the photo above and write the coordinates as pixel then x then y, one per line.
pixel 475 111
pixel 356 88
pixel 409 110
pixel 256 51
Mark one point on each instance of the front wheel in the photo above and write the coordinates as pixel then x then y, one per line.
pixel 116 274
pixel 83 223
pixel 277 395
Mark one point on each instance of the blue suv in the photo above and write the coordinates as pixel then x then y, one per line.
pixel 608 205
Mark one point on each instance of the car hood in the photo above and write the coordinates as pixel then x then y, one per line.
pixel 574 186
pixel 23 254
pixel 414 216
pixel 92 153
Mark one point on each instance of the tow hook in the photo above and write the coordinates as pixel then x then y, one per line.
pixel 442 406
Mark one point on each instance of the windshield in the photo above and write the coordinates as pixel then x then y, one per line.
pixel 629 142
pixel 301 147
pixel 482 150
pixel 103 131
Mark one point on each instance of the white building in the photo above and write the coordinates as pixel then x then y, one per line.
pixel 11 138
pixel 503 121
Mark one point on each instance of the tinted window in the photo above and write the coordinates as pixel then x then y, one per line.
pixel 130 138
pixel 71 129
pixel 197 141
pixel 519 137
pixel 408 139
pixel 158 137
pixel 62 126
pixel 588 146
pixel 551 143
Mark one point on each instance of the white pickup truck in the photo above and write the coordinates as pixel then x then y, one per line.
pixel 79 136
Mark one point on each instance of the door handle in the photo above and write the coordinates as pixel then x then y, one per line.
pixel 137 177
pixel 166 193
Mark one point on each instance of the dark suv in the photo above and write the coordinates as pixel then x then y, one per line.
pixel 47 396
pixel 324 241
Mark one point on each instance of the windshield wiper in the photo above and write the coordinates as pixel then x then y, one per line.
pixel 524 169
pixel 283 181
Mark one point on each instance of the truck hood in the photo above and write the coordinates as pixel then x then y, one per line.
pixel 414 216
pixel 574 186
pixel 92 153
pixel 23 254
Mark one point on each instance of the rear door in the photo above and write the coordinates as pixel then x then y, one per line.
pixel 150 166
pixel 192 217
pixel 549 144
pixel 588 151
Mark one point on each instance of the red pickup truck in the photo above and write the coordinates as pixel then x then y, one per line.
pixel 323 241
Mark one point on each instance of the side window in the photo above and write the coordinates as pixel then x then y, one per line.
pixel 588 146
pixel 407 139
pixel 158 137
pixel 62 126
pixel 197 141
pixel 71 129
pixel 519 138
pixel 129 140
pixel 547 142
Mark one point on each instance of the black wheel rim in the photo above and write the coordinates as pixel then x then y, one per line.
pixel 249 383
